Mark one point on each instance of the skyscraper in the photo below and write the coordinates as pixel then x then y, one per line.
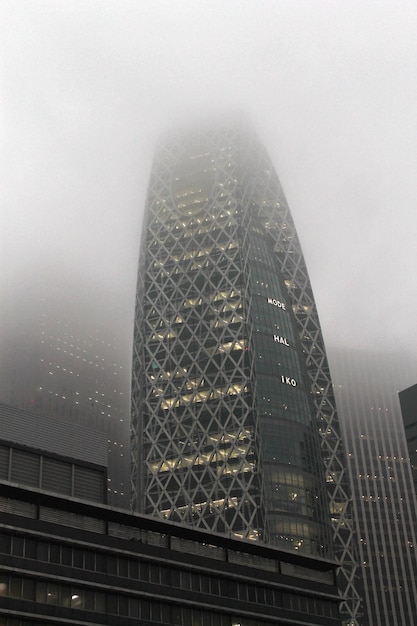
pixel 58 359
pixel 408 402
pixel 232 406
pixel 384 502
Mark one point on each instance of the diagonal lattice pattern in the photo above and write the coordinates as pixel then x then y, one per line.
pixel 232 403
pixel 277 218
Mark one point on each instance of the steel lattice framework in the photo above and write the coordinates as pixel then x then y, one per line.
pixel 218 238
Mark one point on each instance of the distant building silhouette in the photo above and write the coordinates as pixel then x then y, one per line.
pixel 57 359
pixel 408 401
pixel 52 455
pixel 384 502
pixel 232 405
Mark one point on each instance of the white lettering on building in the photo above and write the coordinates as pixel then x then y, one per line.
pixel 288 381
pixel 280 305
pixel 282 340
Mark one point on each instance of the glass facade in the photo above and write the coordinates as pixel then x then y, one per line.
pixel 230 418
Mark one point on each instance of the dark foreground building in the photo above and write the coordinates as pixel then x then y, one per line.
pixel 232 405
pixel 63 561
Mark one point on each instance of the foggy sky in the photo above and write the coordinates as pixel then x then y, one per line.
pixel 87 87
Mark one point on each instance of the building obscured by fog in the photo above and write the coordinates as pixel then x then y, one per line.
pixel 60 359
pixel 408 401
pixel 52 455
pixel 384 501
pixel 232 405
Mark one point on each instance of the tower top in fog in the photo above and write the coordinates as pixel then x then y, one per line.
pixel 232 407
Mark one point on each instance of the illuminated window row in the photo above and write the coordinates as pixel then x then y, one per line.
pixel 226 296
pixel 206 458
pixel 228 311
pixel 203 396
pixel 182 372
pixel 207 226
pixel 199 507
pixel 196 253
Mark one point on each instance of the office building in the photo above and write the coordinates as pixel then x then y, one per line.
pixel 52 455
pixel 68 562
pixel 384 502
pixel 408 402
pixel 232 405
pixel 59 359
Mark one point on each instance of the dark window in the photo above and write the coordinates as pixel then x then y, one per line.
pixel 78 558
pixel 66 555
pixel 205 583
pixel 41 592
pixel 134 607
pixel 207 618
pixel 252 593
pixel 89 600
pixel 233 589
pixel 155 574
pixel 302 603
pixel 260 595
pixel 166 614
pixel 166 576
pixel 100 602
pixel 243 592
pixel 278 598
pixel 133 569
pixel 15 587
pixel 144 571
pixel 54 553
pixel 269 596
pixel 100 562
pixel 195 582
pixel 123 605
pixel 214 586
pixel 90 561
pixel 112 604
pixel 123 567
pixel 155 611
pixel 28 589
pixel 197 619
pixel 42 551
pixel 187 617
pixel 145 610
pixel 112 565
pixel 185 580
pixel 5 543
pixel 17 546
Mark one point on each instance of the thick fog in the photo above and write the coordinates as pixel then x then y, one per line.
pixel 87 87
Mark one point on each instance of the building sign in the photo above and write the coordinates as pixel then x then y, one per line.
pixel 288 381
pixel 277 303
pixel 282 340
